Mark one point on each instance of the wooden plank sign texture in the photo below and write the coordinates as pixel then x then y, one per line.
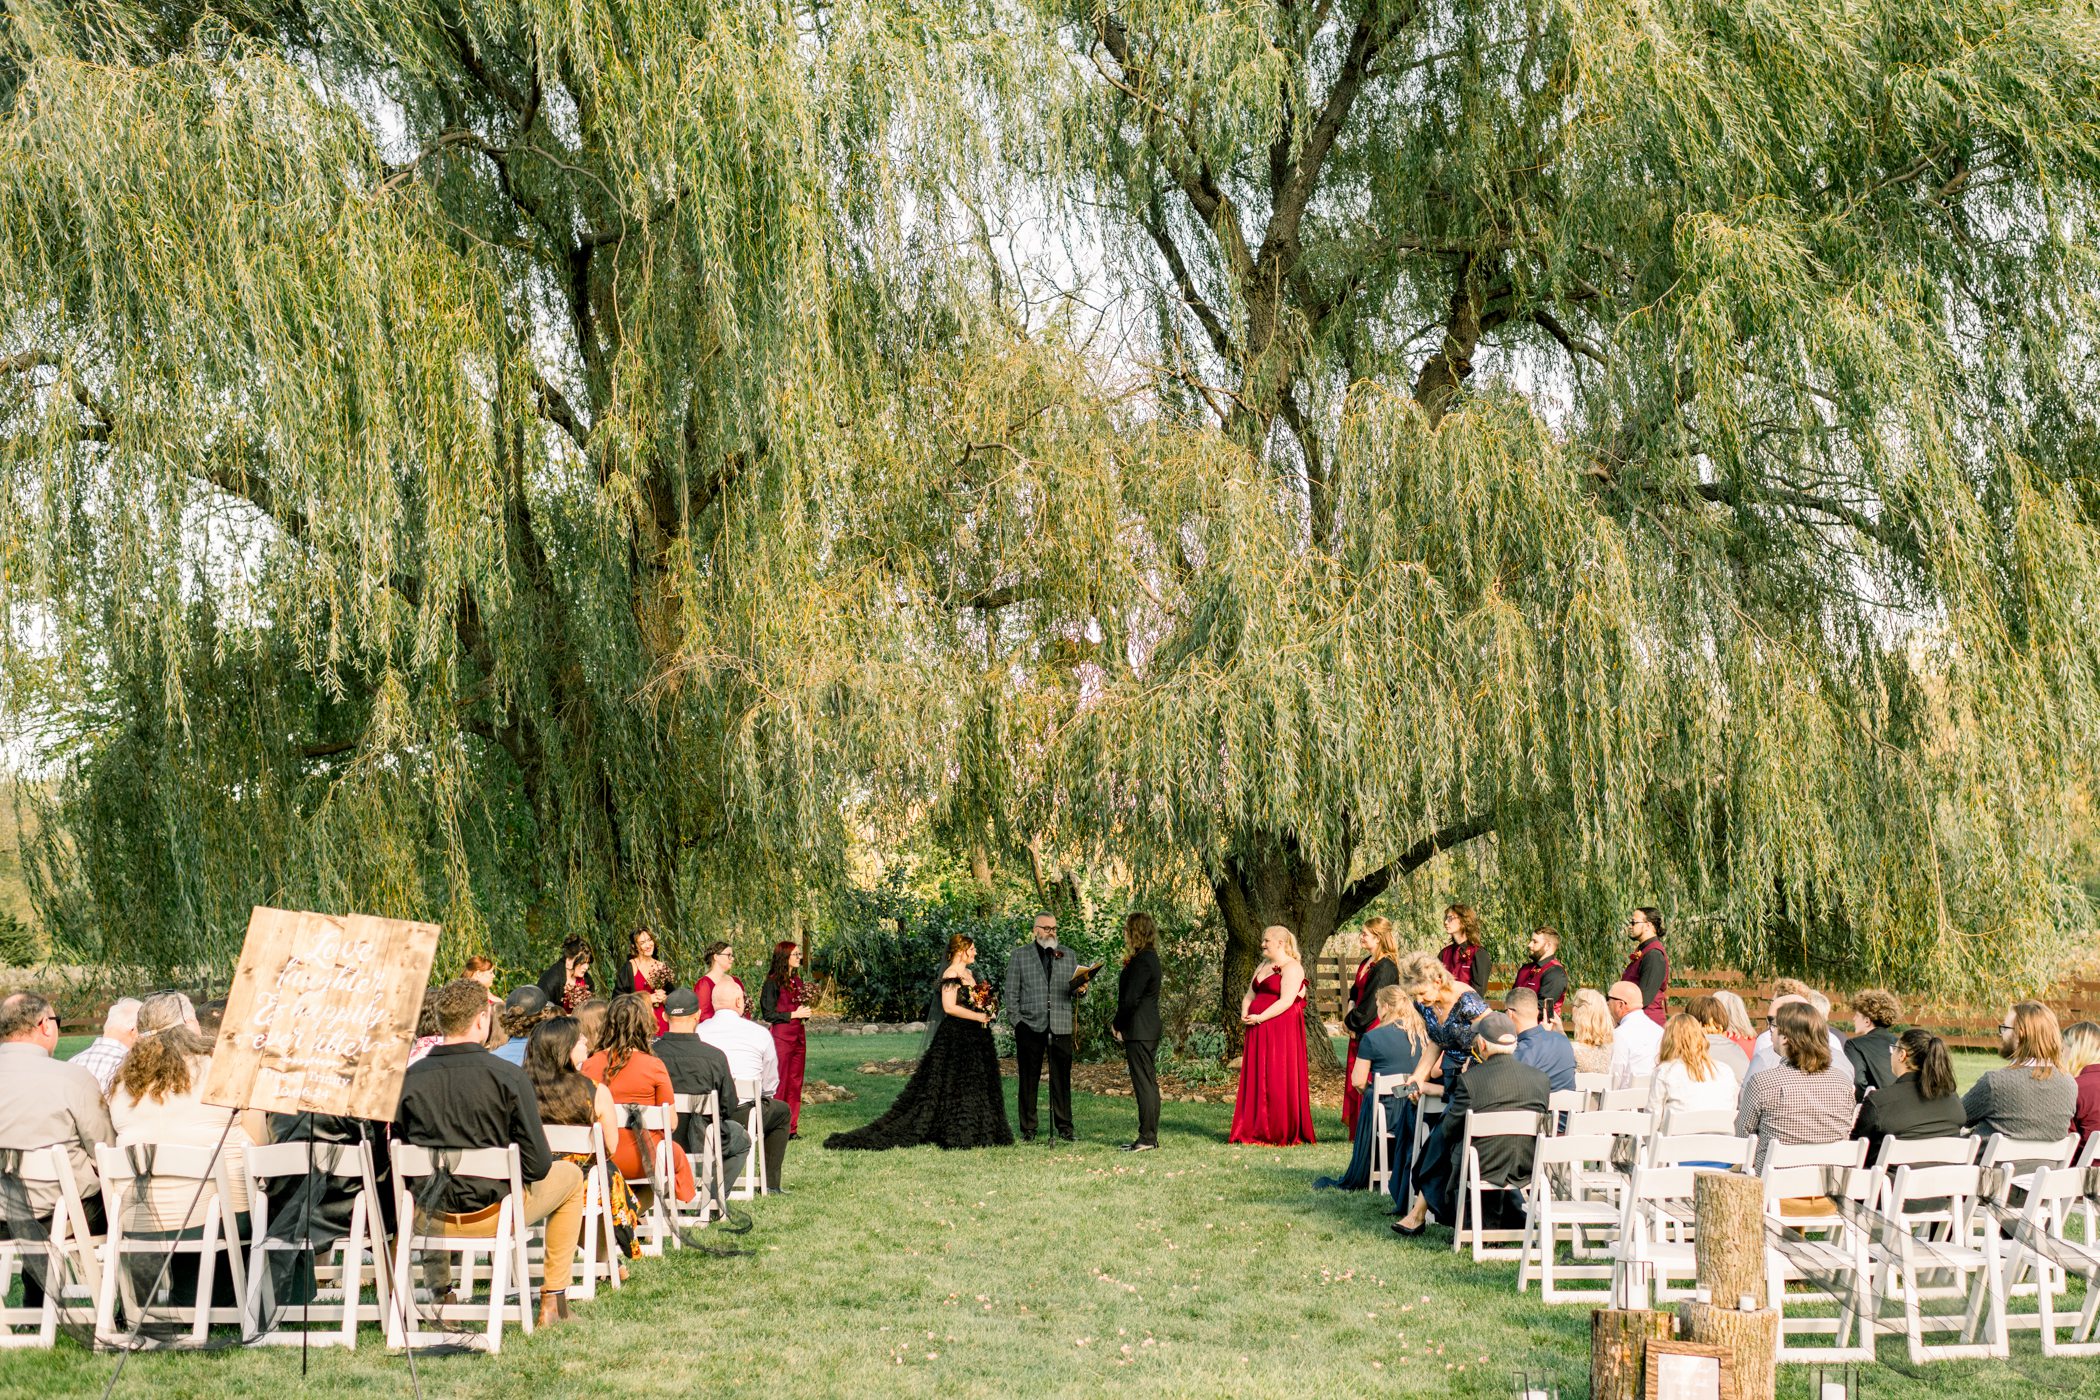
pixel 322 1014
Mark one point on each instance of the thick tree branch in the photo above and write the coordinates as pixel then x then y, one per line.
pixel 1368 887
pixel 1154 222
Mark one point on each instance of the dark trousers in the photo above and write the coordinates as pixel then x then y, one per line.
pixel 1029 1048
pixel 1142 1057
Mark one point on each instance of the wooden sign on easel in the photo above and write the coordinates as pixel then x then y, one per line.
pixel 322 1014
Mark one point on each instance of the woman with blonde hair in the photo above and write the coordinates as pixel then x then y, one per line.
pixel 2032 1098
pixel 1274 1104
pixel 1393 1044
pixel 1590 1028
pixel 2082 1062
pixel 1737 1027
pixel 1379 969
pixel 1448 1009
pixel 1687 1077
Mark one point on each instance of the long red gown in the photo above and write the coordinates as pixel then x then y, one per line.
pixel 1275 1098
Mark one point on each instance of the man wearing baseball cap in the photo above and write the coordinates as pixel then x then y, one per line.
pixel 1498 1082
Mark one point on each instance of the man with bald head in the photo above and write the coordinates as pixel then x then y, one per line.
pixel 752 1059
pixel 1637 1041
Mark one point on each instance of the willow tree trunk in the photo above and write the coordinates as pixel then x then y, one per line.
pixel 1269 881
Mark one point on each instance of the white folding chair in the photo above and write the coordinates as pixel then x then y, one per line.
pixel 1919 1152
pixel 510 1265
pixel 1944 1193
pixel 752 1180
pixel 2042 1242
pixel 1612 1100
pixel 1656 1233
pixel 1835 1259
pixel 1472 1185
pixel 1383 1087
pixel 1592 1084
pixel 597 1246
pixel 2026 1157
pixel 1560 1104
pixel 1557 1199
pixel 339 1308
pixel 68 1258
pixel 709 1167
pixel 179 1175
pixel 659 1227
pixel 1714 1151
pixel 1705 1122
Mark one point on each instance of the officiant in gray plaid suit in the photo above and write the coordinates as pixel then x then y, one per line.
pixel 1042 978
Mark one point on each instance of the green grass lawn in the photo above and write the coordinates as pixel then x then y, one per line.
pixel 1198 1270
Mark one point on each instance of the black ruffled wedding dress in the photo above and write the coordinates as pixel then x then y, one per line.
pixel 953 1100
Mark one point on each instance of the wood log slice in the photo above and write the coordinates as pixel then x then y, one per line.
pixel 1751 1338
pixel 1619 1349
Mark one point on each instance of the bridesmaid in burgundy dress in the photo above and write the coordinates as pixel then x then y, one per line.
pixel 1380 968
pixel 1275 1098
pixel 646 975
pixel 715 961
pixel 1462 956
pixel 783 1004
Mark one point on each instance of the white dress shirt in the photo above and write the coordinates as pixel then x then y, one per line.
pixel 748 1048
pixel 1634 1046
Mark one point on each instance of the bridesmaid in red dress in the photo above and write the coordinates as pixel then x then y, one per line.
pixel 1462 956
pixel 646 975
pixel 783 1004
pixel 1275 1098
pixel 1379 968
pixel 715 961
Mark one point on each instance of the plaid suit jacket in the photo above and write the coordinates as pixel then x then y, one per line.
pixel 1035 1001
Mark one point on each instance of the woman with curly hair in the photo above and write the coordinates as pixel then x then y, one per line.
pixel 622 1063
pixel 1875 1011
pixel 1462 955
pixel 554 1058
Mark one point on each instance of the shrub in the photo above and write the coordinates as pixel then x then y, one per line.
pixel 885 953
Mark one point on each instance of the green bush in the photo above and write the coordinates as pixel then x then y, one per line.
pixel 889 946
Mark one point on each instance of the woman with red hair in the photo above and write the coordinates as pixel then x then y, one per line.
pixel 783 1005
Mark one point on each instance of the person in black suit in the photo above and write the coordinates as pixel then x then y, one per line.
pixel 1498 1082
pixel 699 1068
pixel 1920 1102
pixel 1137 1026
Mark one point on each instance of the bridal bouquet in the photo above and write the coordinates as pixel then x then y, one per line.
pixel 984 997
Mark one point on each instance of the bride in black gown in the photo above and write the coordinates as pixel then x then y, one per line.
pixel 954 1098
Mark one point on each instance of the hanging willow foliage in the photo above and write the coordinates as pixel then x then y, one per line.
pixel 539 465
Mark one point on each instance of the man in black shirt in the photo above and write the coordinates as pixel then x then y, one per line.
pixel 699 1068
pixel 461 1096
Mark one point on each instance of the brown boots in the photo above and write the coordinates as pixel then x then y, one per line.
pixel 554 1307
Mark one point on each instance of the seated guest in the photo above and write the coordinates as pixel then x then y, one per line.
pixel 698 1068
pixel 43 1102
pixel 428 1037
pixel 1541 1047
pixel 1636 1038
pixel 1874 1014
pixel 1807 1095
pixel 1589 1030
pixel 1739 1030
pixel 752 1057
pixel 567 1098
pixel 525 1008
pixel 1722 1048
pixel 106 1051
pixel 590 1021
pixel 623 1063
pixel 1687 1077
pixel 1449 1010
pixel 1765 1053
pixel 2082 1062
pixel 2032 1098
pixel 1497 1083
pixel 459 1095
pixel 1918 1101
pixel 158 1100
pixel 1392 1044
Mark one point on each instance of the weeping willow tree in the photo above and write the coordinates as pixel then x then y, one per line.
pixel 1650 446
pixel 416 423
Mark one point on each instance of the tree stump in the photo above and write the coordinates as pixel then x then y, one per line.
pixel 1752 1339
pixel 1619 1349
pixel 1729 1248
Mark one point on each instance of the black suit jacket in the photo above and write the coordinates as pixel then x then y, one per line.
pixel 1137 999
pixel 1869 1054
pixel 1899 1111
pixel 1364 1014
pixel 1498 1084
pixel 697 1068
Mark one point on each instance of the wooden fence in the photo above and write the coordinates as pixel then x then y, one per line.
pixel 1966 1027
